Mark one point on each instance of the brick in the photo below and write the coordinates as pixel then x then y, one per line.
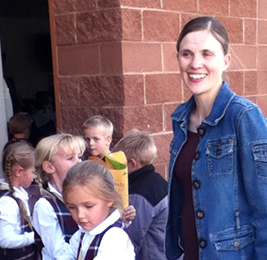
pixel 141 57
pixel 263 104
pixel 141 3
pixel 64 6
pixel 250 31
pixel 162 88
pixel 215 7
pixel 69 89
pixel 261 82
pixel 161 169
pixel 262 57
pixel 99 26
pixel 168 110
pixel 131 25
pixel 160 26
pixel 145 118
pixel 163 144
pixel 262 10
pixel 262 35
pixel 134 90
pixel 236 82
pixel 87 5
pixel 243 8
pixel 72 120
pixel 250 82
pixel 107 3
pixel 102 91
pixel 67 6
pixel 78 60
pixel 234 27
pixel 243 57
pixel 181 6
pixel 170 62
pixel 111 58
pixel 65 29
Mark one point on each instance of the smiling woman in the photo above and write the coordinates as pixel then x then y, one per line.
pixel 217 180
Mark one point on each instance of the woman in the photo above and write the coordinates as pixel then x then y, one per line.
pixel 218 160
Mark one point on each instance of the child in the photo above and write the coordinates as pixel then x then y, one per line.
pixel 148 194
pixel 90 195
pixel 98 132
pixel 16 236
pixel 55 155
pixel 19 128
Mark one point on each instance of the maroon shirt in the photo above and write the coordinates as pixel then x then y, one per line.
pixel 183 174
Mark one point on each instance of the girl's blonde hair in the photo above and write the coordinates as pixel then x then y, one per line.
pixel 94 176
pixel 22 154
pixel 47 148
pixel 139 146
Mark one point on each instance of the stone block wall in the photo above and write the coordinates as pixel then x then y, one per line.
pixel 117 58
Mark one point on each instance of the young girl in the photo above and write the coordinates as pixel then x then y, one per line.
pixel 54 156
pixel 16 236
pixel 90 195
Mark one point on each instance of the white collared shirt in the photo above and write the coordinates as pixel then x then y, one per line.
pixel 11 235
pixel 115 244
pixel 46 223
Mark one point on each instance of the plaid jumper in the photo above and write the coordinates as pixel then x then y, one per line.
pixel 66 222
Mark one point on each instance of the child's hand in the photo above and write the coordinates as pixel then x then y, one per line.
pixel 129 213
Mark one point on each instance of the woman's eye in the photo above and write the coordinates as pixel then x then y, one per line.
pixel 88 206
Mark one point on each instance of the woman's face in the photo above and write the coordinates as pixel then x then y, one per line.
pixel 202 62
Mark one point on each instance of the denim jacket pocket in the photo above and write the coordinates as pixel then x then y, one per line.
pixel 259 151
pixel 220 157
pixel 232 239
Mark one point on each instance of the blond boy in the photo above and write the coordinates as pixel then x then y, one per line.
pixel 147 193
pixel 98 132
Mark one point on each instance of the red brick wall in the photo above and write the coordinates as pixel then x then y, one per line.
pixel 118 58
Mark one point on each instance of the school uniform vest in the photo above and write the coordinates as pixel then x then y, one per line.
pixel 94 246
pixel 24 253
pixel 66 222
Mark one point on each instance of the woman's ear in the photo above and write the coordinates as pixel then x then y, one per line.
pixel 48 167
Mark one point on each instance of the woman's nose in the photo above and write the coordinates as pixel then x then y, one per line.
pixel 196 62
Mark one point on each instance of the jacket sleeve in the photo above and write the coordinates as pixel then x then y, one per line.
pixel 252 148
pixel 142 221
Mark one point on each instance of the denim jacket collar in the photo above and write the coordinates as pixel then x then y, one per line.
pixel 221 103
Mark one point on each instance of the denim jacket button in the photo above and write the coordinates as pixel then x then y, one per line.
pixel 200 214
pixel 196 184
pixel 197 155
pixel 202 243
pixel 236 244
pixel 201 131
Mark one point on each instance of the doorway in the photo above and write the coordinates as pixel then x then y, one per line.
pixel 27 62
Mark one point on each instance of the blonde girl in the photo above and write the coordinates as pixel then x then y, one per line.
pixel 55 155
pixel 90 195
pixel 16 237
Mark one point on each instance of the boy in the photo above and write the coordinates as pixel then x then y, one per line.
pixel 98 133
pixel 147 193
pixel 19 128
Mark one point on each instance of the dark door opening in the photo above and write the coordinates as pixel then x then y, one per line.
pixel 27 62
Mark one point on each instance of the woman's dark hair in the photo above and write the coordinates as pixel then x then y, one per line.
pixel 206 23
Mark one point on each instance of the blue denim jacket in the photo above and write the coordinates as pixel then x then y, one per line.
pixel 229 180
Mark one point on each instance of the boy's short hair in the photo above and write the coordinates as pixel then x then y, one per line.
pixel 139 146
pixel 19 123
pixel 99 121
